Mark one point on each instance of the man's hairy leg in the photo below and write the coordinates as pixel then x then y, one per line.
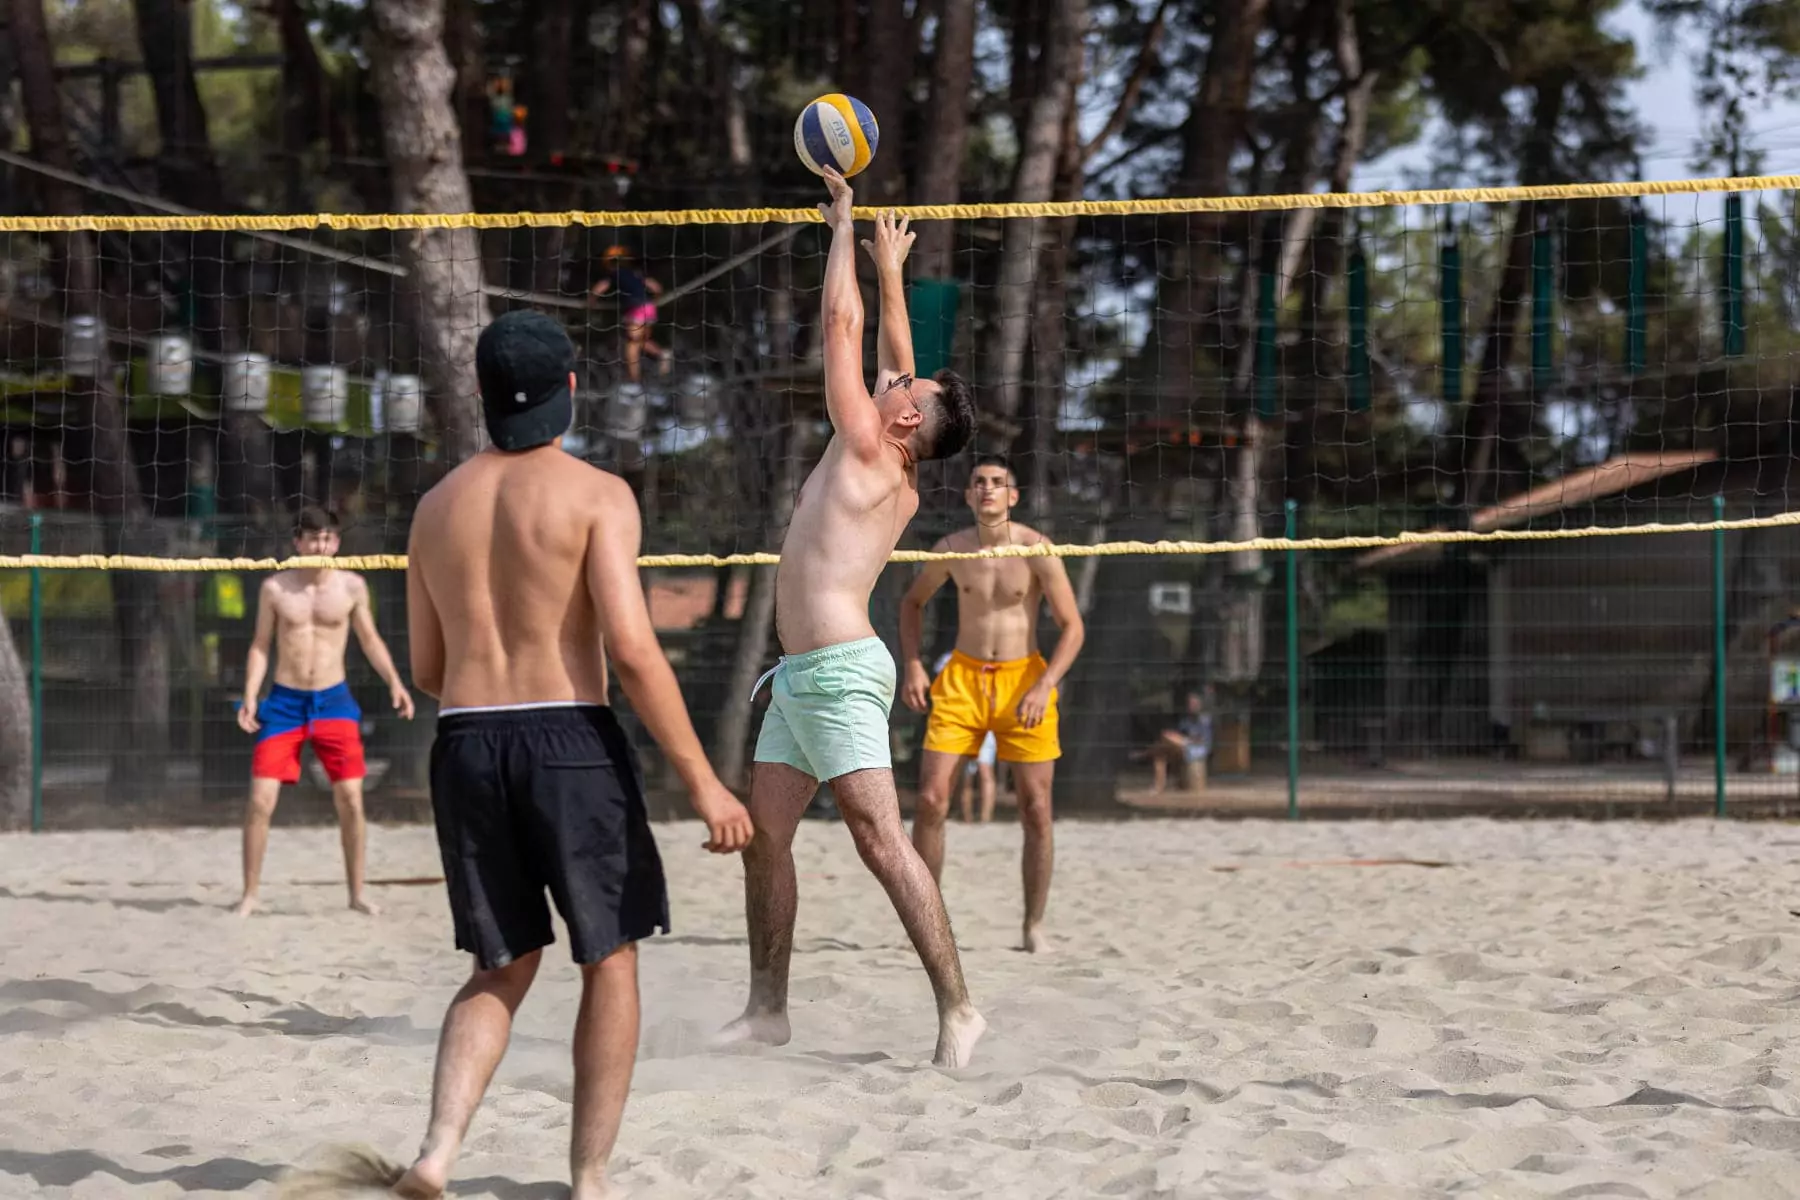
pixel 473 1040
pixel 257 814
pixel 1034 782
pixel 871 808
pixel 778 796
pixel 606 1040
pixel 937 776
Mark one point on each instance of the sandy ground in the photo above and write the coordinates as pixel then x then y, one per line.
pixel 1566 1010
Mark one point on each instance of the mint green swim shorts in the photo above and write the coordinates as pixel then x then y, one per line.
pixel 828 710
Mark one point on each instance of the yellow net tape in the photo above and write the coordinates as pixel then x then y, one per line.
pixel 1429 537
pixel 249 223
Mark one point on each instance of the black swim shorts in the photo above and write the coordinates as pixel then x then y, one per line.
pixel 528 799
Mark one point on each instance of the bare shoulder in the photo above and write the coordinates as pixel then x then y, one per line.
pixel 1042 568
pixel 436 496
pixel 607 487
pixel 277 583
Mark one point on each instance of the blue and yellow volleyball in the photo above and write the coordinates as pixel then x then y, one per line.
pixel 836 131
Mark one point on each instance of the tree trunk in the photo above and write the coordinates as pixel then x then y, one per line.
pixel 1049 352
pixel 9 114
pixel 625 87
pixel 43 102
pixel 186 164
pixel 1040 144
pixel 1498 407
pixel 1328 351
pixel 946 135
pixel 15 734
pixel 308 113
pixel 462 44
pixel 884 90
pixel 1191 297
pixel 731 743
pixel 414 84
pixel 550 95
pixel 94 407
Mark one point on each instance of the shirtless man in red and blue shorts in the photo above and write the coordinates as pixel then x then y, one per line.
pixel 308 615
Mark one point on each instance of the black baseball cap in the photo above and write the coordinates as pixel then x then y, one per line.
pixel 523 361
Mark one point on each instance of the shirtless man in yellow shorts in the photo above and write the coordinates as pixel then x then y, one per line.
pixel 996 682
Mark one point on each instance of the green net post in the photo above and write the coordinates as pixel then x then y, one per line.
pixel 932 315
pixel 1731 291
pixel 37 677
pixel 1543 305
pixel 1267 391
pixel 1451 316
pixel 1357 301
pixel 1291 510
pixel 1718 623
pixel 1636 291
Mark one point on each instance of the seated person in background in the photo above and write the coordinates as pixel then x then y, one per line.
pixel 978 773
pixel 1187 746
pixel 980 777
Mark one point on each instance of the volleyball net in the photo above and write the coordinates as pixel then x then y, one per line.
pixel 1451 404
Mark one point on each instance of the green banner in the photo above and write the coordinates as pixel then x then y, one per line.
pixel 932 308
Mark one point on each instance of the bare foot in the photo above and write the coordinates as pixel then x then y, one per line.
pixel 958 1031
pixel 244 907
pixel 1035 941
pixel 768 1029
pixel 365 906
pixel 424 1180
pixel 597 1189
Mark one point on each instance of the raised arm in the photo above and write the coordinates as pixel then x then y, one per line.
pixel 1067 613
pixel 643 670
pixel 894 348
pixel 256 664
pixel 853 413
pixel 917 683
pixel 362 620
pixel 424 631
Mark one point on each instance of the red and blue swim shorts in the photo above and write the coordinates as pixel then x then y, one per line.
pixel 328 718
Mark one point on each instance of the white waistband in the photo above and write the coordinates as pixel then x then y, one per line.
pixel 500 708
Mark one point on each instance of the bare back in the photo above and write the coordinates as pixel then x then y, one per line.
pixel 312 611
pixel 997 599
pixel 501 545
pixel 847 520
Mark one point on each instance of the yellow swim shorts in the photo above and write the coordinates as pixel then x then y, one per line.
pixel 972 698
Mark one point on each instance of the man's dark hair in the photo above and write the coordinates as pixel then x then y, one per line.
pixel 949 423
pixel 314 519
pixel 994 460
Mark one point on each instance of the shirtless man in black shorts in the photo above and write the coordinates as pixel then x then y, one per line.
pixel 522 584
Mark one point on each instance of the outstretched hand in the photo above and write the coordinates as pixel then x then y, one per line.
pixel 892 241
pixel 837 212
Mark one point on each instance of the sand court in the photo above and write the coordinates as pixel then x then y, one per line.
pixel 1232 1009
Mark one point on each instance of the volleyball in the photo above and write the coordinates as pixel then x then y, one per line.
pixel 836 131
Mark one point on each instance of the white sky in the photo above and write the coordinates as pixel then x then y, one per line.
pixel 1664 100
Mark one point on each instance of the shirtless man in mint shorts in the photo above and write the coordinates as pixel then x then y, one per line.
pixel 828 715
